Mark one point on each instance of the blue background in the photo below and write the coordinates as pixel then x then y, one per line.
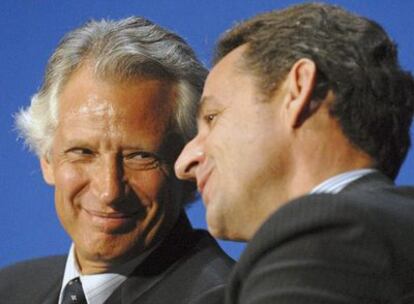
pixel 30 30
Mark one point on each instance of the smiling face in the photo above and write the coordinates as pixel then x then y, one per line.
pixel 238 154
pixel 114 195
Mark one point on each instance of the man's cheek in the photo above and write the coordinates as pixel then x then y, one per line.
pixel 70 179
pixel 147 183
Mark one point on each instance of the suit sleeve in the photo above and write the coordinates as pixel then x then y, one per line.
pixel 318 250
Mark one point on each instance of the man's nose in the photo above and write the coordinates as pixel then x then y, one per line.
pixel 109 181
pixel 189 159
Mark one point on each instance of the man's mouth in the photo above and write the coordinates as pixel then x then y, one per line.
pixel 110 221
pixel 202 179
pixel 110 215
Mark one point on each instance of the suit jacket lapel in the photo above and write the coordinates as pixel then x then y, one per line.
pixel 52 296
pixel 157 265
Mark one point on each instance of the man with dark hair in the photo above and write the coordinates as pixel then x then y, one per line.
pixel 116 106
pixel 304 123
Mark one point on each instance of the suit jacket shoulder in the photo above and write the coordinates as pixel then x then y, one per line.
pixel 352 247
pixel 32 281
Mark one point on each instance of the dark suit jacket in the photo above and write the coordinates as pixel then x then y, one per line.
pixel 187 267
pixel 353 247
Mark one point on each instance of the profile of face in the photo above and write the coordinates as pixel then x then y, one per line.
pixel 238 151
pixel 114 193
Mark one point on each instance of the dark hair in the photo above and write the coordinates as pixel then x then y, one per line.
pixel 374 97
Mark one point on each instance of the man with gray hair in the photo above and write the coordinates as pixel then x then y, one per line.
pixel 115 109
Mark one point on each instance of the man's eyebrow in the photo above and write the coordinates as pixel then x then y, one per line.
pixel 205 101
pixel 78 142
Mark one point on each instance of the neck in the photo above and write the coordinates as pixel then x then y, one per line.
pixel 312 175
pixel 319 160
pixel 310 163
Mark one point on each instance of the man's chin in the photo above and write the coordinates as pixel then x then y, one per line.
pixel 222 229
pixel 108 252
pixel 216 225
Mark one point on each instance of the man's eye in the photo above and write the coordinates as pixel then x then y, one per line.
pixel 80 151
pixel 140 156
pixel 142 160
pixel 209 118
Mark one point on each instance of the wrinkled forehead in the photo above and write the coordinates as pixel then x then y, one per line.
pixel 112 117
pixel 85 93
pixel 134 107
pixel 94 106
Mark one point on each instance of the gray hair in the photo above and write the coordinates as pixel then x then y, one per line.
pixel 120 50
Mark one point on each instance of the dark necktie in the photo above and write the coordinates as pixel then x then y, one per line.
pixel 73 293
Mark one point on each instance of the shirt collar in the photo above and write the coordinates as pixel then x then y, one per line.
pixel 99 287
pixel 338 182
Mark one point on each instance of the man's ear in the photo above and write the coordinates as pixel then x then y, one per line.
pixel 301 82
pixel 47 170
